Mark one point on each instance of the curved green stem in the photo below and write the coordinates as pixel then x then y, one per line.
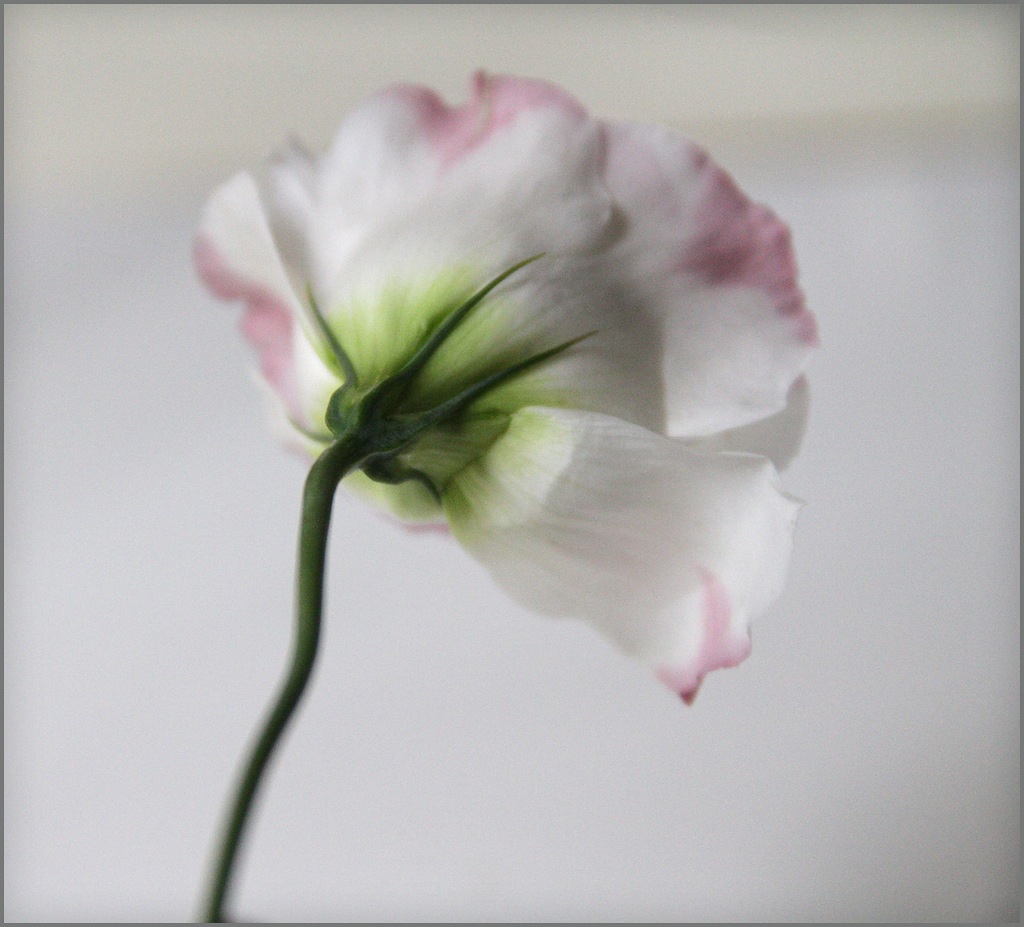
pixel 318 496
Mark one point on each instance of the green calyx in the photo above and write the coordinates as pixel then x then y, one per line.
pixel 376 419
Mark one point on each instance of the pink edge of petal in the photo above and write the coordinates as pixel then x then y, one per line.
pixel 495 101
pixel 266 323
pixel 739 243
pixel 721 647
pixel 428 528
pixel 413 527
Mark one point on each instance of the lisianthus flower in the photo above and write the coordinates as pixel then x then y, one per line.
pixel 612 331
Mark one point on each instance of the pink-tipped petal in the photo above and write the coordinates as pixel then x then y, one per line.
pixel 739 243
pixel 450 130
pixel 668 552
pixel 507 98
pixel 237 257
pixel 266 323
pixel 440 529
pixel 400 144
pixel 718 271
pixel 722 646
pixel 412 189
pixel 495 102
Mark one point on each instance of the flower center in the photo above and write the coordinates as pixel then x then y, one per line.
pixel 396 438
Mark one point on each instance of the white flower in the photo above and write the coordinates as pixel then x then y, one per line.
pixel 626 473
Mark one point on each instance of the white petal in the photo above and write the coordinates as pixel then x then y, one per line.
pixel 412 187
pixel 238 258
pixel 282 422
pixel 667 551
pixel 777 437
pixel 417 204
pixel 234 226
pixel 288 191
pixel 421 203
pixel 718 271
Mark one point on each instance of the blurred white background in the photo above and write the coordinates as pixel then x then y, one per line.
pixel 458 759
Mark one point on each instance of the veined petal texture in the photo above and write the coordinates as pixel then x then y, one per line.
pixel 666 550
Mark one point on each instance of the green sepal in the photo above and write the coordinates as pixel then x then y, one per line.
pixel 342 365
pixel 371 419
pixel 460 402
pixel 393 390
pixel 386 468
pixel 321 437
